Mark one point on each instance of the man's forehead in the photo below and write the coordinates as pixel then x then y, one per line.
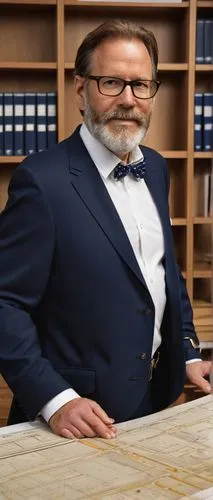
pixel 120 49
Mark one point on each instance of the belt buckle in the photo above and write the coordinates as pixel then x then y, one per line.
pixel 153 364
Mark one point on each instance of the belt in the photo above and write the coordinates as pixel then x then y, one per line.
pixel 153 364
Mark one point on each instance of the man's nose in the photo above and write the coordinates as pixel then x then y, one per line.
pixel 126 98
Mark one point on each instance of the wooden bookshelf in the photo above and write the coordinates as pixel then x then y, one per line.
pixel 38 43
pixel 40 66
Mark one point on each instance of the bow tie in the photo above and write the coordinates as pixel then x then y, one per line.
pixel 137 168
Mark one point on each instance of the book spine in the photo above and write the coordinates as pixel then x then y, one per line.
pixel 211 104
pixel 208 41
pixel 198 100
pixel 30 122
pixel 18 123
pixel 8 123
pixel 211 192
pixel 207 187
pixel 200 41
pixel 1 125
pixel 41 120
pixel 207 121
pixel 51 119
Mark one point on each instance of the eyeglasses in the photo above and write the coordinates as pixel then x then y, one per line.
pixel 111 86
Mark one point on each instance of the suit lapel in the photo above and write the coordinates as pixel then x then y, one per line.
pixel 87 182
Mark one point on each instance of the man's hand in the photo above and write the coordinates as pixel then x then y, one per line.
pixel 197 371
pixel 80 418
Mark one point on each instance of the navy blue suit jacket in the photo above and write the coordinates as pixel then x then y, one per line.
pixel 74 307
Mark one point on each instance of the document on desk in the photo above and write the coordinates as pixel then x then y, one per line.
pixel 168 455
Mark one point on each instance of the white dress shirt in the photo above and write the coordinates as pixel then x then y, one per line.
pixel 142 224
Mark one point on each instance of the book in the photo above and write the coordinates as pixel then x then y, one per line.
pixel 51 119
pixel 8 123
pixel 208 121
pixel 198 111
pixel 30 122
pixel 208 41
pixel 207 190
pixel 41 121
pixel 211 195
pixel 18 104
pixel 200 41
pixel 208 257
pixel 1 125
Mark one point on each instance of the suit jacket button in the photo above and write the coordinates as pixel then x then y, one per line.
pixel 147 311
pixel 142 355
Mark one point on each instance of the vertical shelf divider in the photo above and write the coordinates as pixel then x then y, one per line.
pixel 190 148
pixel 60 69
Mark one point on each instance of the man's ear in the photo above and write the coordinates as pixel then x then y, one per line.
pixel 79 88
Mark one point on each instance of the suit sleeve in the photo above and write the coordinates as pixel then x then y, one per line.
pixel 26 252
pixel 189 334
pixel 188 331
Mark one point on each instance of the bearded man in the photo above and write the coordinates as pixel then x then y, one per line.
pixel 95 321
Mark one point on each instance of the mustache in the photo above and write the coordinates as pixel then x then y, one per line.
pixel 123 115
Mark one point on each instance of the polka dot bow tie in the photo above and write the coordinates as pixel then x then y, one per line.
pixel 137 169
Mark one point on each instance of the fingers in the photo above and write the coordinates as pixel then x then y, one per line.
pixel 84 430
pixel 67 434
pixel 196 373
pixel 102 414
pixel 98 421
pixel 203 385
pixel 75 433
pixel 82 417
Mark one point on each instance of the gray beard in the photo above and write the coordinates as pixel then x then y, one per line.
pixel 121 141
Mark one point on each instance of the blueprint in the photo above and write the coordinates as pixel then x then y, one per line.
pixel 168 455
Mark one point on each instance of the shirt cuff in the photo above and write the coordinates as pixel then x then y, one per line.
pixel 194 360
pixel 57 402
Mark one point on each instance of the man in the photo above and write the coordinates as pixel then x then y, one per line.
pixel 95 321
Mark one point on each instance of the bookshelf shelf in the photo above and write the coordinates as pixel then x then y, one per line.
pixel 174 154
pixel 202 273
pixel 202 304
pixel 173 67
pixel 69 65
pixel 202 269
pixel 147 5
pixel 178 221
pixel 204 155
pixel 204 4
pixel 203 220
pixel 11 159
pixel 44 66
pixel 204 67
pixel 28 2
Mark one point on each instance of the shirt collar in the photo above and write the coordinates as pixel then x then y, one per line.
pixel 103 158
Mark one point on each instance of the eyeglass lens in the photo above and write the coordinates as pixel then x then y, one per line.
pixel 140 88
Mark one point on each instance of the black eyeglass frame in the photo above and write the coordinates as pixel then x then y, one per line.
pixel 125 83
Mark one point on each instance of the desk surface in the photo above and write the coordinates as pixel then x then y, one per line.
pixel 168 455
